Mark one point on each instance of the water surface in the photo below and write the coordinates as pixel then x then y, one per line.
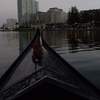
pixel 9 49
pixel 79 48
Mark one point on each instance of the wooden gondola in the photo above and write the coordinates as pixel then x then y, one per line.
pixel 55 79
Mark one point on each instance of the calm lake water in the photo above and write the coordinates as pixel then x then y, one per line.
pixel 9 49
pixel 80 48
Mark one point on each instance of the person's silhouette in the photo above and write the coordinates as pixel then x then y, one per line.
pixel 37 50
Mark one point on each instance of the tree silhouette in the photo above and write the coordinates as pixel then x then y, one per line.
pixel 73 16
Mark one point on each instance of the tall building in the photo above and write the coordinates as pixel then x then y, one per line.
pixel 26 9
pixel 35 6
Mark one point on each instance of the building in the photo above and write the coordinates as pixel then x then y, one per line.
pixel 35 6
pixel 41 18
pixel 52 16
pixel 26 9
pixel 11 21
pixel 56 15
pixel 11 24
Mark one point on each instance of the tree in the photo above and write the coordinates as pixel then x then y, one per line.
pixel 73 16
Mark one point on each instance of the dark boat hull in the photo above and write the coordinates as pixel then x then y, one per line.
pixel 47 89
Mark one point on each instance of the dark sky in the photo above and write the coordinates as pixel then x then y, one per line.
pixel 8 8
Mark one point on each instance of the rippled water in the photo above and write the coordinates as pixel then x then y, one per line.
pixel 11 46
pixel 80 48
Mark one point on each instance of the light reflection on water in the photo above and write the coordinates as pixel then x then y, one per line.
pixel 11 46
pixel 9 49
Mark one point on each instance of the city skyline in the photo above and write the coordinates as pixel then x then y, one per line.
pixel 8 8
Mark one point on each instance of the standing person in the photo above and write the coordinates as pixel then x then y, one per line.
pixel 37 50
